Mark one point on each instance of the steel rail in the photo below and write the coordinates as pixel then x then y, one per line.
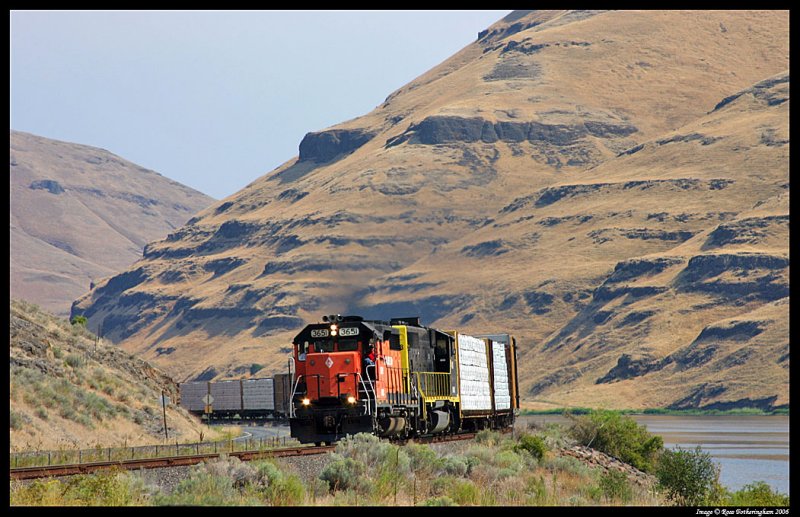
pixel 152 463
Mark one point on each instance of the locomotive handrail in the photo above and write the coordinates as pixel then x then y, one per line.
pixel 291 398
pixel 294 392
pixel 371 385
pixel 433 384
pixel 369 404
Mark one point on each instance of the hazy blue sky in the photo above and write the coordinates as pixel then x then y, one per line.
pixel 215 99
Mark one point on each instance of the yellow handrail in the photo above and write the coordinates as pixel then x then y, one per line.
pixel 432 385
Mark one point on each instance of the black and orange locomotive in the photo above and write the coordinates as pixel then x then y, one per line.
pixel 423 381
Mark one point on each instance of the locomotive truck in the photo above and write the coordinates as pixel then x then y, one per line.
pixel 424 381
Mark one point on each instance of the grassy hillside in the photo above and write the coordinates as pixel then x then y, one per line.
pixel 68 390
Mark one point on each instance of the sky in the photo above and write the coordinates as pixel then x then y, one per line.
pixel 216 99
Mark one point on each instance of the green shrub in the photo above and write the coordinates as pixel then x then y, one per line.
pixel 278 488
pixel 373 452
pixel 200 489
pixel 290 491
pixel 536 489
pixel 75 361
pixel 442 485
pixel 688 477
pixel 464 492
pixel 618 436
pixel 758 494
pixel 455 465
pixel 439 501
pixel 268 473
pixel 103 489
pixel 79 320
pixel 533 444
pixel 345 473
pixel 488 437
pixel 422 457
pixel 615 486
pixel 41 413
pixel 18 420
pixel 508 460
pixel 569 465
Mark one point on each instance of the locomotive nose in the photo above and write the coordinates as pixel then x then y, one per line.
pixel 332 374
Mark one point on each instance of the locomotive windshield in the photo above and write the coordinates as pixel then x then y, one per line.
pixel 329 345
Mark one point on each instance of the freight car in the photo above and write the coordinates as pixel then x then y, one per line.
pixel 247 398
pixel 423 381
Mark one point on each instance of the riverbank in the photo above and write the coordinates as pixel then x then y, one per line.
pixel 747 448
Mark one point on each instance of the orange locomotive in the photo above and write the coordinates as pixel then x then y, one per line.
pixel 399 379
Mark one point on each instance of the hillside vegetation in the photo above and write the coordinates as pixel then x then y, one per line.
pixel 69 390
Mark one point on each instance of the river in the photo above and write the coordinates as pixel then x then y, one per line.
pixel 746 448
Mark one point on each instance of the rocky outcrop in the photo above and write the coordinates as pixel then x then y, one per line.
pixel 628 367
pixel 51 186
pixel 485 249
pixel 638 267
pixel 746 276
pixel 447 129
pixel 751 230
pixel 325 146
pixel 764 91
pixel 596 459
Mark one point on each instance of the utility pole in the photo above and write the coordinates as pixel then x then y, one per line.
pixel 164 409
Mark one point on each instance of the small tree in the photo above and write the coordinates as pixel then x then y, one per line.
pixel 758 494
pixel 533 444
pixel 688 477
pixel 79 320
pixel 618 436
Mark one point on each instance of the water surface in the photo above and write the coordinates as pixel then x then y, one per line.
pixel 747 448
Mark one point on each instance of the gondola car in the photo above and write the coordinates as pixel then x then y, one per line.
pixel 424 381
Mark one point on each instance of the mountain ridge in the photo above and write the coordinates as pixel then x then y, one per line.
pixel 80 213
pixel 445 199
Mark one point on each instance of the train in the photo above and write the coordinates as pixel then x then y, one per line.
pixel 397 379
pixel 257 398
pixel 423 381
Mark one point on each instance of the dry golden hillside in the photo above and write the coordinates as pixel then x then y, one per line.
pixel 658 278
pixel 500 191
pixel 69 391
pixel 79 214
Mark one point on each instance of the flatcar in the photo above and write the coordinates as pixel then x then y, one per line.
pixel 422 381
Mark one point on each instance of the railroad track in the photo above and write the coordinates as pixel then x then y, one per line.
pixel 178 461
pixel 153 463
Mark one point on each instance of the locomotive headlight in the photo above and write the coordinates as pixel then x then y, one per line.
pixel 306 402
pixel 334 327
pixel 351 400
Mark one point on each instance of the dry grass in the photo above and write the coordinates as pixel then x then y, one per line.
pixel 67 393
